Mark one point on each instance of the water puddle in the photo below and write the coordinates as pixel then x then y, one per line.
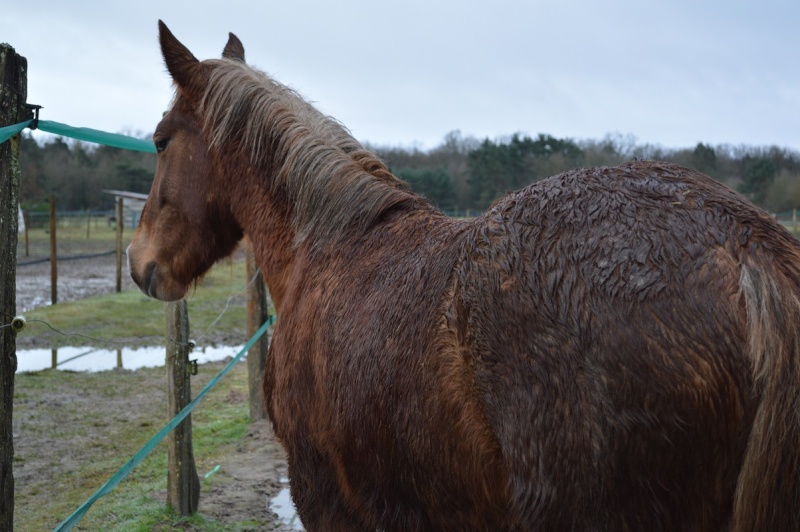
pixel 91 359
pixel 282 505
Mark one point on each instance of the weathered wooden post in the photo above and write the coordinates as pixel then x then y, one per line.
pixel 183 484
pixel 13 93
pixel 27 219
pixel 120 223
pixel 257 314
pixel 53 253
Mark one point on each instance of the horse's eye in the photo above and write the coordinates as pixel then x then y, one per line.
pixel 161 144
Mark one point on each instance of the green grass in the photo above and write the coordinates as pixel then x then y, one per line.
pixel 217 426
pixel 217 310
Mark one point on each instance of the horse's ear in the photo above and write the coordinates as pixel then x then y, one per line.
pixel 182 65
pixel 234 49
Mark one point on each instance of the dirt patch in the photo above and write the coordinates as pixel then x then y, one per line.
pixel 77 279
pixel 247 479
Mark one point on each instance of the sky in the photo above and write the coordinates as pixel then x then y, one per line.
pixel 670 73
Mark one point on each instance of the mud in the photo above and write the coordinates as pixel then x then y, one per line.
pixel 77 279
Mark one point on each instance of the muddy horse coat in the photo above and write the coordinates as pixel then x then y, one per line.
pixel 607 349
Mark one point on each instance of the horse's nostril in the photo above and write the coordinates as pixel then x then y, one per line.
pixel 147 281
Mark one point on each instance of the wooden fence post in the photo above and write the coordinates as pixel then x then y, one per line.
pixel 53 253
pixel 183 484
pixel 257 314
pixel 13 93
pixel 119 244
pixel 27 219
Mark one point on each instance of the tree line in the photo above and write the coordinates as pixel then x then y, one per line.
pixel 462 174
pixel 76 173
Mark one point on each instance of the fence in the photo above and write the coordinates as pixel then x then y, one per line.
pixel 57 236
pixel 789 219
pixel 79 233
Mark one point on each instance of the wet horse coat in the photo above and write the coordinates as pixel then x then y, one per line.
pixel 608 349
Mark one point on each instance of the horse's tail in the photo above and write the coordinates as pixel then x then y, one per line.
pixel 768 487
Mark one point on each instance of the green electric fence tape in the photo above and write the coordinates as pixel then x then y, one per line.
pixel 82 133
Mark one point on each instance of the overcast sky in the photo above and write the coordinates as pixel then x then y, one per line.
pixel 405 73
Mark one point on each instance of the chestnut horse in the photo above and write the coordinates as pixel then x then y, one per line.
pixel 607 349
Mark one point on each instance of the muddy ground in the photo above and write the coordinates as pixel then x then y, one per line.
pixel 77 279
pixel 248 478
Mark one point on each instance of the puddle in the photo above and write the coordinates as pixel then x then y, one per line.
pixel 90 359
pixel 282 505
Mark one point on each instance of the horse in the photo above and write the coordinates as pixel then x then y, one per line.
pixel 610 348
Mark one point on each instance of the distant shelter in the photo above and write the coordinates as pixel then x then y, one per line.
pixel 132 205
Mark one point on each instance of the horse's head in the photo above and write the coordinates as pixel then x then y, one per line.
pixel 187 223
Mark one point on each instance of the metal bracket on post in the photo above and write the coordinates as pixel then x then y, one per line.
pixel 33 113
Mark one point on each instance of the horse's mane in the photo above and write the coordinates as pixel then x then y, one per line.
pixel 330 179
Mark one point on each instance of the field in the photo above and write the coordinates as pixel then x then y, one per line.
pixel 72 431
pixel 222 289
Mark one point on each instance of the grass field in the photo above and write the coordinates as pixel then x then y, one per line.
pixel 75 430
pixel 217 312
pixel 216 305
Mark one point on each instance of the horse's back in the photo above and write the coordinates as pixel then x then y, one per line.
pixel 602 311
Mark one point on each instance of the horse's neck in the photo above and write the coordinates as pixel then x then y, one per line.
pixel 268 226
pixel 311 208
